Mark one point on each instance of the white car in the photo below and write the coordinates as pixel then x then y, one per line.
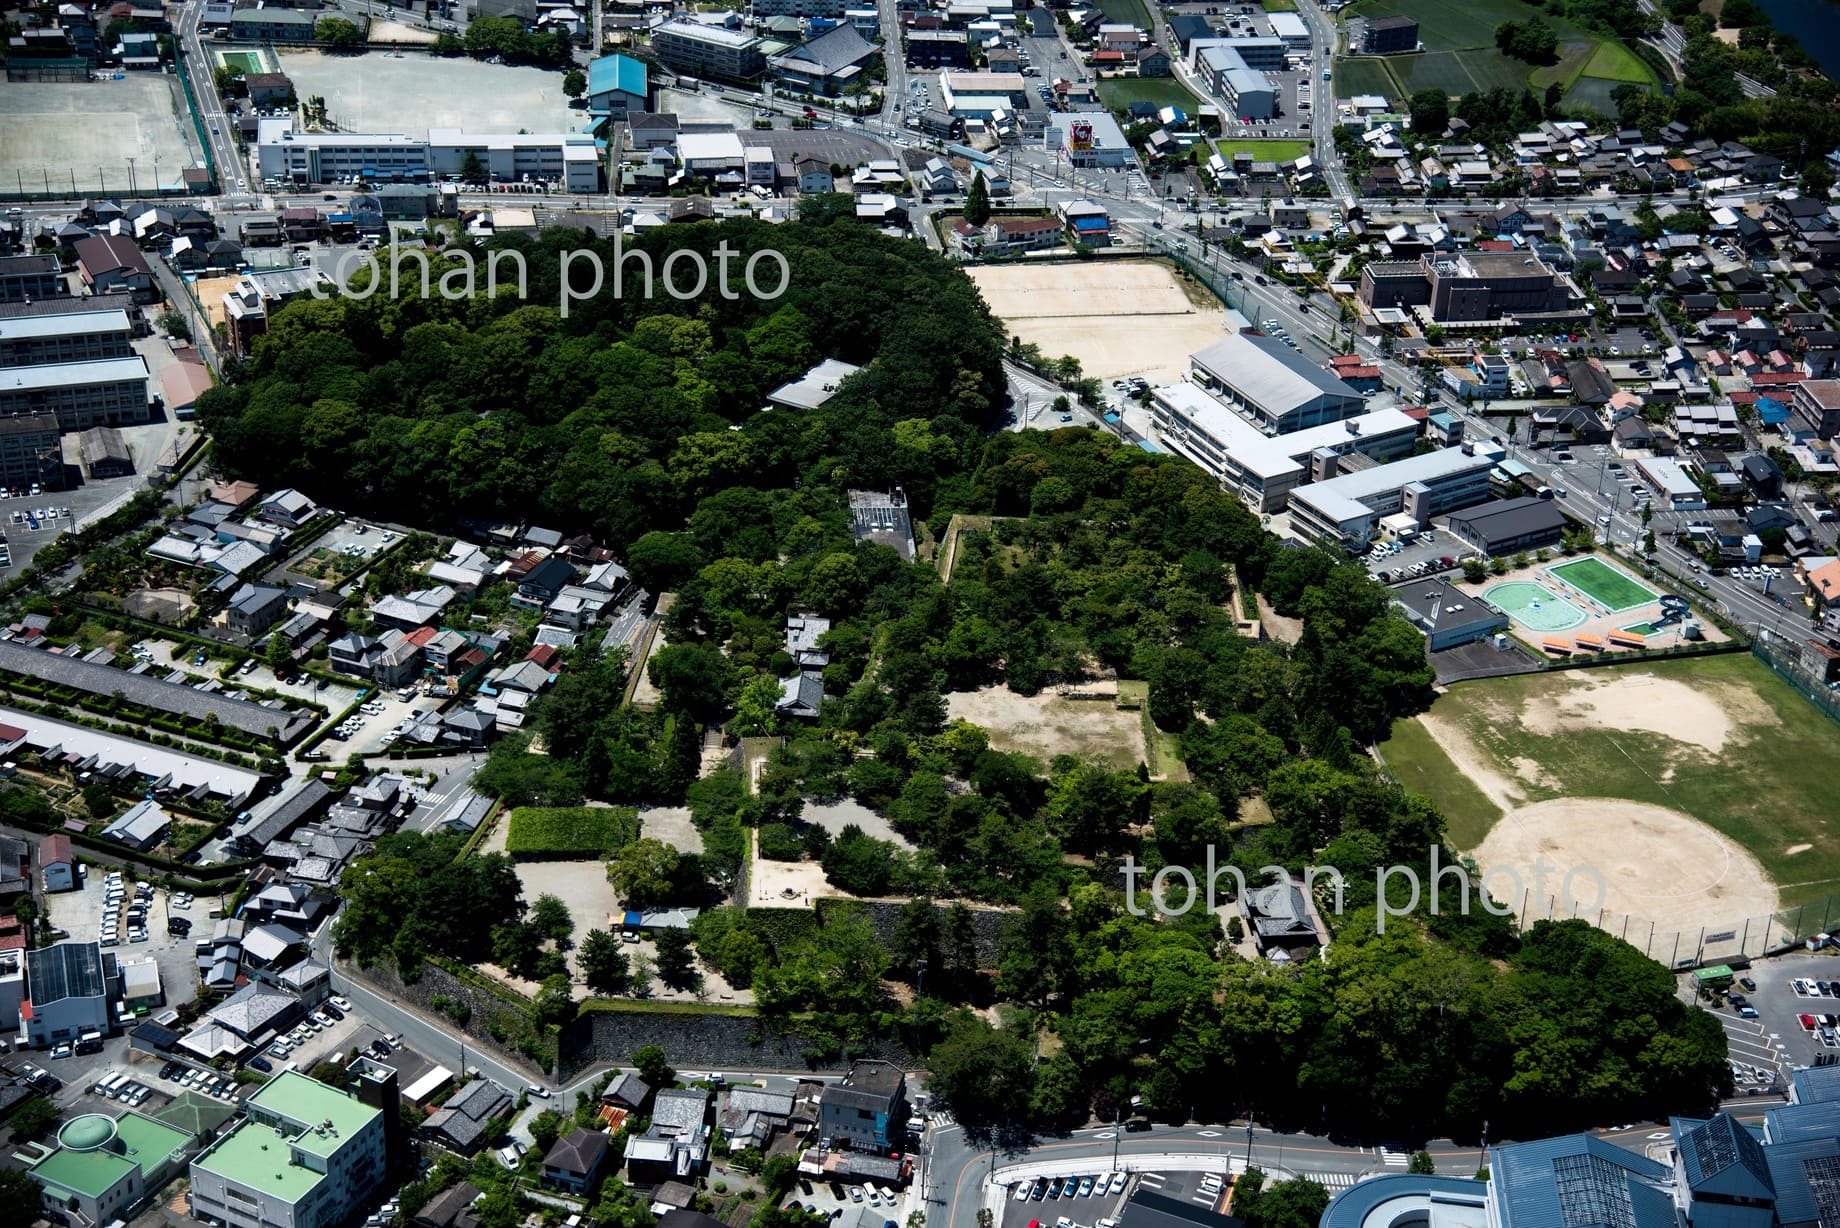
pixel 1119 1182
pixel 1023 1189
pixel 341 1003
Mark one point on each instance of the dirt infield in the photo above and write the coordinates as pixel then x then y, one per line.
pixel 1622 857
pixel 1048 725
pixel 1118 317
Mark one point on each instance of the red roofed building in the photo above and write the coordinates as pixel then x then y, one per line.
pixel 57 863
pixel 544 655
pixel 420 636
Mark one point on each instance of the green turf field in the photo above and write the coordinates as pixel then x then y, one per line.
pixel 1604 583
pixel 1266 151
pixel 1768 789
pixel 1119 92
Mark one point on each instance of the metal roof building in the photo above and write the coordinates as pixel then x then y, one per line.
pixel 1346 508
pixel 1509 525
pixel 1275 387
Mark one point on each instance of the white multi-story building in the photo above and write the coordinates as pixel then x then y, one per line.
pixel 569 158
pixel 1345 509
pixel 336 157
pixel 304 1158
pixel 1264 470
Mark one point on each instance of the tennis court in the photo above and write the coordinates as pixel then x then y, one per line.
pixel 1604 584
pixel 1534 606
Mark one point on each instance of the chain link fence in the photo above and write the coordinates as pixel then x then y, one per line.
pixel 1715 943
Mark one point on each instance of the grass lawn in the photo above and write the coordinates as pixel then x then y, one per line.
pixel 1615 62
pixel 1119 92
pixel 1420 765
pixel 1266 151
pixel 1604 583
pixel 1365 76
pixel 1280 6
pixel 1767 790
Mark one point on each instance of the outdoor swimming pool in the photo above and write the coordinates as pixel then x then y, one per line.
pixel 1534 606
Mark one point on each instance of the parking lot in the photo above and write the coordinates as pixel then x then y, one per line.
pixel 1393 561
pixel 1048 1200
pixel 1776 1040
pixel 80 914
pixel 374 731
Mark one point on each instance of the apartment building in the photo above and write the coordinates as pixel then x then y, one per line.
pixel 1271 385
pixel 304 1158
pixel 33 277
pixel 84 333
pixel 1346 509
pixel 30 452
pixel 106 392
pixel 709 51
pixel 1815 407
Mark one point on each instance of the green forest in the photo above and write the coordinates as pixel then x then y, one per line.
pixel 640 422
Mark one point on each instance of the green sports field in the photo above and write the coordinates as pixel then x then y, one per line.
pixel 1460 55
pixel 1604 584
pixel 1720 738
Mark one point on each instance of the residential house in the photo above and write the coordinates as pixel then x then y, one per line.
pixel 460 1123
pixel 575 1163
pixel 676 1145
pixel 866 1110
pixel 254 608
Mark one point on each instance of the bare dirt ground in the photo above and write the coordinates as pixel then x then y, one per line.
pixel 1650 704
pixel 785 884
pixel 1624 857
pixel 672 825
pixel 1046 725
pixel 1120 318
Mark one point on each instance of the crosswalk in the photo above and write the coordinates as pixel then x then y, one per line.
pixel 1395 1159
pixel 1333 1182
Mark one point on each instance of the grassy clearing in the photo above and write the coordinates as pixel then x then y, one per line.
pixel 1265 151
pixel 1768 790
pixel 1119 92
pixel 1420 764
pixel 1615 62
pixel 1280 6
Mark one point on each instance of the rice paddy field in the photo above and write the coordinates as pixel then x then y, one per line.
pixel 1460 55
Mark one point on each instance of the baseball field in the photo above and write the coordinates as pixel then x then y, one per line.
pixel 1697 788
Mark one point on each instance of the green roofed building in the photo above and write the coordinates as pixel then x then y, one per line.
pixel 303 1159
pixel 105 1167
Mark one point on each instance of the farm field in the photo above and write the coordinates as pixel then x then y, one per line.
pixel 1623 767
pixel 1265 151
pixel 1119 92
pixel 1460 55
